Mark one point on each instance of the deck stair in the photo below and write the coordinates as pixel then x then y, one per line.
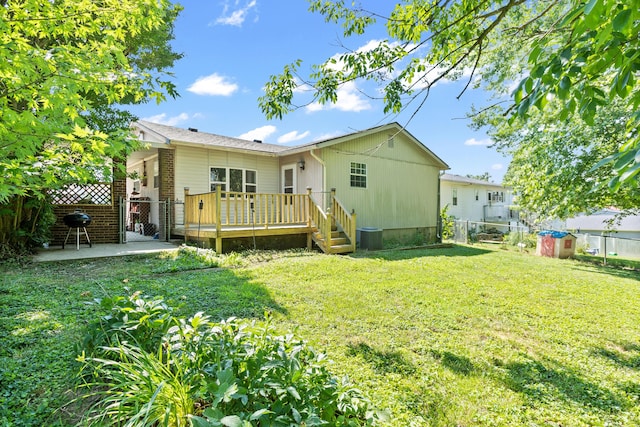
pixel 339 244
pixel 333 230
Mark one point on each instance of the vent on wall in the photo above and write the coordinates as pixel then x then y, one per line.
pixel 391 141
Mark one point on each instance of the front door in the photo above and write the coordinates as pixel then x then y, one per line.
pixel 288 179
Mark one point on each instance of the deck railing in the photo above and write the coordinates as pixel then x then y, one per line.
pixel 229 208
pixel 342 217
pixel 322 221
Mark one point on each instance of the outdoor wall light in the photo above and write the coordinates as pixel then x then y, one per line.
pixel 301 165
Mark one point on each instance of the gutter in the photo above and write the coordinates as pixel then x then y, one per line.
pixel 324 166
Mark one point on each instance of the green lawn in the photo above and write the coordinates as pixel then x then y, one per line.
pixel 465 336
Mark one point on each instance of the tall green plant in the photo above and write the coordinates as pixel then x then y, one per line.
pixel 25 224
pixel 202 373
pixel 447 222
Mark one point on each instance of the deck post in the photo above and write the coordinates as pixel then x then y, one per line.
pixel 309 207
pixel 186 223
pixel 353 229
pixel 333 199
pixel 218 219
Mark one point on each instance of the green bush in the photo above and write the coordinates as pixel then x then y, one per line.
pixel 447 223
pixel 201 373
pixel 136 319
pixel 528 239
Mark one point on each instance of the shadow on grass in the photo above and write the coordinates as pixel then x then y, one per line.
pixel 626 355
pixel 220 293
pixel 385 362
pixel 409 253
pixel 608 270
pixel 458 364
pixel 543 383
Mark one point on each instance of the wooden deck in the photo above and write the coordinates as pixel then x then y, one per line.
pixel 222 215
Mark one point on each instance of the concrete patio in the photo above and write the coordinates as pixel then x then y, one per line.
pixel 101 250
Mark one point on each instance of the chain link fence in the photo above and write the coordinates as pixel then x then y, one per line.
pixel 608 245
pixel 476 231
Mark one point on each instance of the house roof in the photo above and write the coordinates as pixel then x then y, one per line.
pixel 193 137
pixel 339 139
pixel 598 222
pixel 172 134
pixel 469 181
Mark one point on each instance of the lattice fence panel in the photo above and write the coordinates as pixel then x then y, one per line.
pixel 89 194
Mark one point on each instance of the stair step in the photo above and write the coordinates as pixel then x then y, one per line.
pixel 335 240
pixel 341 249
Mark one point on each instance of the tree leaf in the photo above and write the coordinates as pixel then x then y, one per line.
pixel 590 6
pixel 231 421
pixel 621 20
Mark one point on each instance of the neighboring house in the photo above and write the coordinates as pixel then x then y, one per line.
pixel 383 178
pixel 604 222
pixel 477 200
pixel 600 233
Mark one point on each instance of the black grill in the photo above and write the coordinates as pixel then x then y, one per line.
pixel 78 220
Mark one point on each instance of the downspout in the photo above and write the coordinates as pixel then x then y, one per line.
pixel 324 174
pixel 439 219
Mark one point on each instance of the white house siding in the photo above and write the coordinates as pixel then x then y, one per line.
pixel 468 208
pixel 402 182
pixel 310 177
pixel 192 167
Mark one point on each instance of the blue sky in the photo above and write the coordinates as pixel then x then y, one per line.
pixel 232 47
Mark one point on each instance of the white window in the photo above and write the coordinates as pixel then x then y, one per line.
pixel 358 175
pixel 455 197
pixel 250 181
pixel 231 179
pixel 495 197
pixel 218 178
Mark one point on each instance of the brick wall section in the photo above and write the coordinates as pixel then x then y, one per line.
pixel 166 169
pixel 166 159
pixel 104 227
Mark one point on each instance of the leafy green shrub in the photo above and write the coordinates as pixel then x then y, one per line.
pixel 136 319
pixel 528 239
pixel 447 223
pixel 232 373
pixel 187 258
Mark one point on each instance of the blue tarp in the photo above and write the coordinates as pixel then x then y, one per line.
pixel 554 234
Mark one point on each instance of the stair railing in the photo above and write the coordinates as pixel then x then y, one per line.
pixel 342 217
pixel 322 220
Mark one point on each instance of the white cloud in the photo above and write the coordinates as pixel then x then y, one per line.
pixel 235 14
pixel 260 133
pixel 169 121
pixel 349 99
pixel 497 166
pixel 213 85
pixel 292 137
pixel 473 141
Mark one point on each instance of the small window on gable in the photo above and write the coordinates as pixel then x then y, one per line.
pixel 477 195
pixel 391 141
pixel 454 202
pixel 358 176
